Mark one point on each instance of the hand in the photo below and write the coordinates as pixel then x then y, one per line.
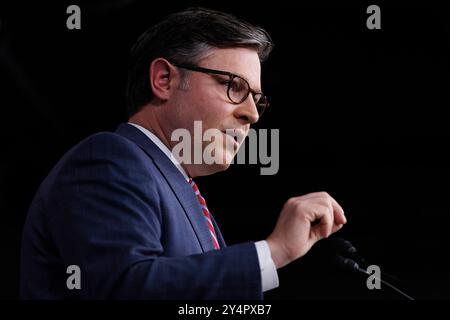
pixel 302 222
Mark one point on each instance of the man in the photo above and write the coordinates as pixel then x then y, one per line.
pixel 123 210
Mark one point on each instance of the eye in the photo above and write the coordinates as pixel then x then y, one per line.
pixel 238 85
pixel 222 80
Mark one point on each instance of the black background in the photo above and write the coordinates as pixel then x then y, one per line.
pixel 361 113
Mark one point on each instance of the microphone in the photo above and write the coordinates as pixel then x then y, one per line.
pixel 344 248
pixel 349 264
pixel 342 245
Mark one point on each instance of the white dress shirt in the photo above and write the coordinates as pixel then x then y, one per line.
pixel 269 275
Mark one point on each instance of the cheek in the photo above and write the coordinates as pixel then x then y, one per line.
pixel 217 117
pixel 210 106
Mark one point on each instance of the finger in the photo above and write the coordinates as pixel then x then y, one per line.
pixel 339 217
pixel 336 227
pixel 324 228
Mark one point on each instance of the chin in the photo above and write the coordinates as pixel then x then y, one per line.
pixel 227 158
pixel 218 167
pixel 224 166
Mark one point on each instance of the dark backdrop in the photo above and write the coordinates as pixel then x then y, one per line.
pixel 361 115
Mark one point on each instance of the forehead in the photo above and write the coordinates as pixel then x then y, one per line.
pixel 240 61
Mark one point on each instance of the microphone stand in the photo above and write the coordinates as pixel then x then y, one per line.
pixel 345 247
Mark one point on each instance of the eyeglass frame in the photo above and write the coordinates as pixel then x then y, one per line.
pixel 229 82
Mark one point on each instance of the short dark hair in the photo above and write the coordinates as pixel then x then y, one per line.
pixel 185 38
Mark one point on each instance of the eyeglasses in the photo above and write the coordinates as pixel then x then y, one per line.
pixel 238 88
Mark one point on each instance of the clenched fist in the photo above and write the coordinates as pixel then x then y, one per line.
pixel 302 222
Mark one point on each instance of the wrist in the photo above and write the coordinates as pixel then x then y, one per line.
pixel 278 255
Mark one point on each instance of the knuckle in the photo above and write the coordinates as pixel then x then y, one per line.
pixel 324 194
pixel 324 207
pixel 291 201
pixel 296 203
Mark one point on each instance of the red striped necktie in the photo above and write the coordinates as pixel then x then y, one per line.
pixel 206 214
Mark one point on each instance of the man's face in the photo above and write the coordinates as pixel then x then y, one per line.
pixel 206 100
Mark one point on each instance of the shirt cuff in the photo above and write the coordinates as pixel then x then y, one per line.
pixel 269 275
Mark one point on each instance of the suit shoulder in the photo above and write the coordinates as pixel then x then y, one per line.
pixel 105 140
pixel 107 145
pixel 106 152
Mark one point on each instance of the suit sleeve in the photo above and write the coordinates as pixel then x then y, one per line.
pixel 106 218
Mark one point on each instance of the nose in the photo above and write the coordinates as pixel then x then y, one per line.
pixel 247 111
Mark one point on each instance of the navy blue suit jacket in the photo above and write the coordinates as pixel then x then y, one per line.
pixel 116 206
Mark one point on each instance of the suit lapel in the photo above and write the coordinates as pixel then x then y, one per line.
pixel 180 187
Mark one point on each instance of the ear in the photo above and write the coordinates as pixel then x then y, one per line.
pixel 162 78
